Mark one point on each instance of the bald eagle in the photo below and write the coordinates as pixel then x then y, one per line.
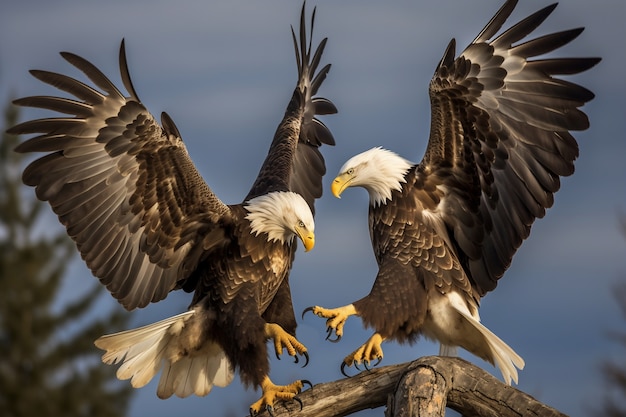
pixel 146 223
pixel 445 230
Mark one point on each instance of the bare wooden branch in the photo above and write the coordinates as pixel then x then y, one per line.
pixel 422 388
pixel 430 384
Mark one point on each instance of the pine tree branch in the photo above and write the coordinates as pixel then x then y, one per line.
pixel 421 388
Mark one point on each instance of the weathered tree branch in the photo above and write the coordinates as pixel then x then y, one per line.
pixel 431 384
pixel 423 388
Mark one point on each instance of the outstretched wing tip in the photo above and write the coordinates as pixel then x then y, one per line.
pixel 90 174
pixel 506 136
pixel 169 126
pixel 125 73
pixel 448 55
pixel 496 22
pixel 305 168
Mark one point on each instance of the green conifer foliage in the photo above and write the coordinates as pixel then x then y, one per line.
pixel 48 363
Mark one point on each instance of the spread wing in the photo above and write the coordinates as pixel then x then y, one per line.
pixel 294 162
pixel 123 186
pixel 500 138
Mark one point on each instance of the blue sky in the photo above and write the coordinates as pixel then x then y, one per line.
pixel 224 70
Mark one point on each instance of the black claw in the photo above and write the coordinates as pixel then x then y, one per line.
pixel 380 358
pixel 329 333
pixel 306 356
pixel 306 310
pixel 270 410
pixel 343 370
pixel 356 365
pixel 306 382
pixel 295 358
pixel 299 401
pixel 277 355
pixel 365 365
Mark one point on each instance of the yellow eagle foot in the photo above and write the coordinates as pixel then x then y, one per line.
pixel 282 339
pixel 336 319
pixel 273 393
pixel 369 351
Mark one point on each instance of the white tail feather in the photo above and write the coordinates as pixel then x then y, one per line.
pixel 143 351
pixel 196 375
pixel 447 350
pixel 503 355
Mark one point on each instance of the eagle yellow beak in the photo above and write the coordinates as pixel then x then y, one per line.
pixel 307 237
pixel 340 183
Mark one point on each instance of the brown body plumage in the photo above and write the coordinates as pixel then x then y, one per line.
pixel 146 223
pixel 445 230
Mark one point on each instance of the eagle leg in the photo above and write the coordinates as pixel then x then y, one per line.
pixel 273 393
pixel 367 352
pixel 282 339
pixel 336 319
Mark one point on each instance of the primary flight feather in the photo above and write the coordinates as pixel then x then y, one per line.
pixel 445 230
pixel 146 223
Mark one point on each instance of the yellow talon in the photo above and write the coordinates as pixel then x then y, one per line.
pixel 370 350
pixel 336 318
pixel 273 393
pixel 282 339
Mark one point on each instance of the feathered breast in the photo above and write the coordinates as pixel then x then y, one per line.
pixel 250 266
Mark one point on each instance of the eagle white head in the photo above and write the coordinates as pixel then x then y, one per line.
pixel 282 215
pixel 378 170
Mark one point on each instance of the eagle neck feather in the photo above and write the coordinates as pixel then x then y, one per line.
pixel 385 172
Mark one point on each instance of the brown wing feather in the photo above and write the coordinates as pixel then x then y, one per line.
pixel 500 139
pixel 124 187
pixel 294 162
